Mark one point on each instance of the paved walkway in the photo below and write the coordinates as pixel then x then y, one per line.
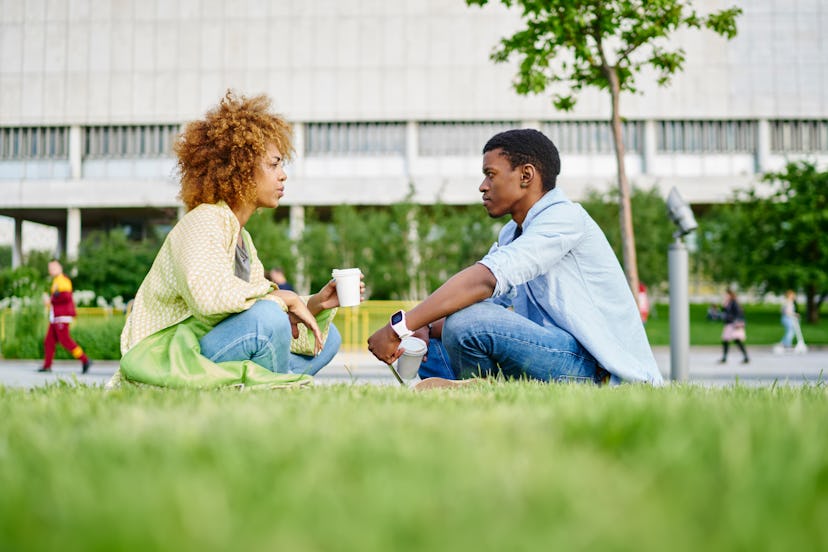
pixel 765 368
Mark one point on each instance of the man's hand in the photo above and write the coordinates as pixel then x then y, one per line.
pixel 384 345
pixel 465 288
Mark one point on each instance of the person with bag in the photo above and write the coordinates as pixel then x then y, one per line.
pixel 733 317
pixel 205 315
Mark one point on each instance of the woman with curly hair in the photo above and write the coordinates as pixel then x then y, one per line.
pixel 205 315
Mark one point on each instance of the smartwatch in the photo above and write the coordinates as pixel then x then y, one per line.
pixel 398 325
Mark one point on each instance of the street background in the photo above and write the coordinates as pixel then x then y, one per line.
pixel 361 368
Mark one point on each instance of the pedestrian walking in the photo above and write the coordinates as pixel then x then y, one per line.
pixel 61 314
pixel 734 326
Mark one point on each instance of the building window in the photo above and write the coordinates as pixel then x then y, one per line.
pixel 798 136
pixel 706 136
pixel 354 139
pixel 126 142
pixel 34 143
pixel 458 138
pixel 581 137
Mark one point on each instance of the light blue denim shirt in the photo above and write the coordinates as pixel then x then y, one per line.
pixel 562 271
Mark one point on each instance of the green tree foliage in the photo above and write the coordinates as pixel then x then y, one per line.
pixel 452 238
pixel 774 235
pixel 373 239
pixel 23 281
pixel 604 44
pixel 272 240
pixel 5 256
pixel 112 265
pixel 31 279
pixel 384 242
pixel 651 225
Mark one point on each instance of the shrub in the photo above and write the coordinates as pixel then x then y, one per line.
pixel 25 328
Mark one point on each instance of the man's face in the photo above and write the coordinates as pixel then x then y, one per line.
pixel 501 184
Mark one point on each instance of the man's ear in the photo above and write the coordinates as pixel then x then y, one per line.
pixel 527 174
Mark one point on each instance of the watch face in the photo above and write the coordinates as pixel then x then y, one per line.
pixel 396 318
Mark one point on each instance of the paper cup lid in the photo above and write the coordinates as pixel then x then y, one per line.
pixel 414 346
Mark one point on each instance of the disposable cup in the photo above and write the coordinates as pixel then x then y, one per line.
pixel 347 286
pixel 409 363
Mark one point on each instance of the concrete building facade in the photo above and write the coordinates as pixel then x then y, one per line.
pixel 385 95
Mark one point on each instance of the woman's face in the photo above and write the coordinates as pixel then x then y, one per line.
pixel 270 178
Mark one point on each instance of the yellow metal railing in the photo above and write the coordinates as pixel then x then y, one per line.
pixel 356 324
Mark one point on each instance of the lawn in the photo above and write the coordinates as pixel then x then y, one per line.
pixel 763 326
pixel 500 466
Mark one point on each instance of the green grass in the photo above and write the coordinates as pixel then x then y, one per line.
pixel 763 326
pixel 506 466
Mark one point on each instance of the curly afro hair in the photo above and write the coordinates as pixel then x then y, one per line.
pixel 218 155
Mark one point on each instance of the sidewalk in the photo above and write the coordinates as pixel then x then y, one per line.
pixel 361 368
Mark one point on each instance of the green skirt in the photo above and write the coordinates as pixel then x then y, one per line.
pixel 172 358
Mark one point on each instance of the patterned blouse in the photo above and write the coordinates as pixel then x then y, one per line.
pixel 194 275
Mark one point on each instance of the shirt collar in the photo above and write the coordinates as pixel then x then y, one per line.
pixel 553 196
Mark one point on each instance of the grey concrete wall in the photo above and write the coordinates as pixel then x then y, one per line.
pixel 107 61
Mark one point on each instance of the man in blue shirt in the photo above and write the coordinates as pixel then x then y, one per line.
pixel 572 317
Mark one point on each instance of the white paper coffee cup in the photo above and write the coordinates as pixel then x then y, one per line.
pixel 409 363
pixel 347 286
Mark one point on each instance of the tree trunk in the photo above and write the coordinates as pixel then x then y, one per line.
pixel 812 305
pixel 624 206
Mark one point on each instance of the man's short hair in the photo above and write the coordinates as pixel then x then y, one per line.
pixel 529 146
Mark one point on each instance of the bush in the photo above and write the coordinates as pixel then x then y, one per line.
pixel 25 328
pixel 99 337
pixel 113 265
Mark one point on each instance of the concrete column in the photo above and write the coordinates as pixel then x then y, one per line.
pixel 763 145
pixel 648 147
pixel 73 233
pixel 17 243
pixel 297 228
pixel 75 152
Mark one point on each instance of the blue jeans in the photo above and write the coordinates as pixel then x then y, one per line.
pixel 788 323
pixel 262 334
pixel 486 339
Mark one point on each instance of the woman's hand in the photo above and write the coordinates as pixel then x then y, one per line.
pixel 299 312
pixel 326 298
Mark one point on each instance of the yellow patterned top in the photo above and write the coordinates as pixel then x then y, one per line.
pixel 193 275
